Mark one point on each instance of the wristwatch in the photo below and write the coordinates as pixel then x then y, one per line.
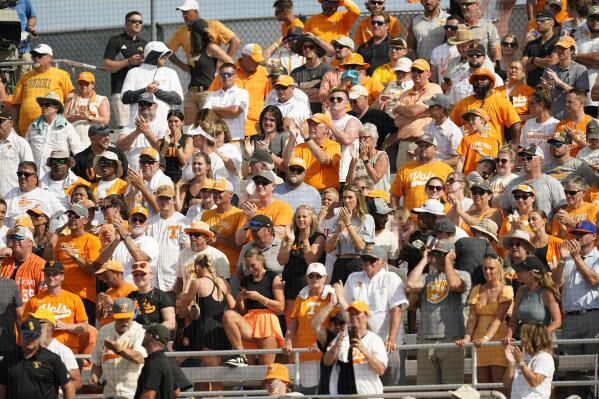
pixel 306 139
pixel 124 237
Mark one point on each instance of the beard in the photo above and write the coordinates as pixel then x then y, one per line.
pixel 480 90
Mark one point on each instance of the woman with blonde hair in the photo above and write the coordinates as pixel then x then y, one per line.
pixel 530 370
pixel 489 304
pixel 212 296
pixel 303 244
pixel 354 227
pixel 259 300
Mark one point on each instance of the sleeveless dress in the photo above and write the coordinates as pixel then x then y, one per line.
pixel 188 198
pixel 494 355
pixel 532 309
pixel 208 331
pixel 294 272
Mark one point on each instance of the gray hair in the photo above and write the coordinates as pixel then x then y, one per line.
pixel 371 130
pixel 577 181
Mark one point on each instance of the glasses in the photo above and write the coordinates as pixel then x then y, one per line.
pixel 106 162
pixel 254 223
pixel 542 20
pixel 377 3
pixel 16 237
pixel 108 206
pixel 416 71
pixel 147 162
pixel 30 335
pixel 368 259
pixel 432 187
pixel 45 105
pixel 522 197
pixel 593 18
pixel 509 44
pixel 73 215
pixel 502 161
pixel 395 48
pixel 451 27
pixel 144 104
pixel 572 193
pixel 526 157
pixel 297 170
pixel 477 191
pixel 137 219
pixel 477 55
pixel 377 23
pixel 452 180
pixel 334 99
pixel 226 75
pixel 195 234
pixel 281 88
pixel 556 144
pixel 55 161
pixel 314 276
pixel 339 47
pixel 25 174
pixel 262 183
pixel 308 47
pixel 136 21
pixel 514 244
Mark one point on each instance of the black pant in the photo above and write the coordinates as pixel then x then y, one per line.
pixel 344 267
pixel 90 309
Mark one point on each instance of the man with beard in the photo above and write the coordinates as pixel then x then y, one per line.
pixel 294 191
pixel 588 46
pixel 331 23
pixel 364 28
pixel 99 136
pixel 426 30
pixel 145 131
pixel 460 83
pixel 538 53
pixel 61 181
pixel 142 186
pixel 118 355
pixel 163 81
pixel 309 76
pixel 502 114
pixel 576 120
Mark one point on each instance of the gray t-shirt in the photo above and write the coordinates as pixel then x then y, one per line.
pixel 442 310
pixel 10 299
pixel 304 194
pixel 574 75
pixel 571 168
pixel 270 253
pixel 549 194
pixel 345 245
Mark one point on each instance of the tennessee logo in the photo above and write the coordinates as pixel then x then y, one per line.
pixel 357 356
pixel 123 308
pixel 437 291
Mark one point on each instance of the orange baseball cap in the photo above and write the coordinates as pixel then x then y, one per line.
pixel 421 64
pixel 44 314
pixel 566 42
pixel 113 265
pixel 478 112
pixel 321 118
pixel 166 190
pixel 277 371
pixel 140 210
pixel 382 194
pixel 208 184
pixel 254 51
pixel 222 185
pixel 150 152
pixel 285 80
pixel 482 72
pixel 297 161
pixel 86 77
pixel 360 306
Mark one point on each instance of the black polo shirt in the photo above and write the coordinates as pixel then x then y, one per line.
pixel 118 48
pixel 84 164
pixel 535 48
pixel 40 376
pixel 157 375
pixel 375 54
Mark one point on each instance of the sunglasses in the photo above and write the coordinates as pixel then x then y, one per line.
pixel 477 191
pixel 195 234
pixel 509 44
pixel 30 335
pixel 226 75
pixel 515 244
pixel 416 71
pixel 144 104
pixel 334 99
pixel 593 18
pixel 136 21
pixel 435 188
pixel 541 20
pixel 572 193
pixel 501 161
pixel 377 23
pixel 262 183
pixel 44 105
pixel 137 219
pixel 526 157
pixel 477 55
pixel 297 170
pixel 451 27
pixel 556 144
pixel 369 259
pixel 25 174
pixel 73 215
pixel 314 276
pixel 519 197
pixel 339 47
pixel 104 207
pixel 377 3
pixel 451 180
pixel 147 162
pixel 281 88
pixel 106 162
pixel 395 48
pixel 55 161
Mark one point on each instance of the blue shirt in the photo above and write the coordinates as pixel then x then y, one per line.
pixel 24 11
pixel 302 195
pixel 577 293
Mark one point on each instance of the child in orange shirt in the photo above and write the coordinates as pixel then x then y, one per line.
pixel 481 142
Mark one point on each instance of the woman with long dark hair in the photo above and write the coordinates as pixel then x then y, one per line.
pixel 271 135
pixel 175 147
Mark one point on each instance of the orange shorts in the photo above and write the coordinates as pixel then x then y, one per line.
pixel 264 323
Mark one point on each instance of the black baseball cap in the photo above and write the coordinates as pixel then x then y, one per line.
pixel 259 221
pixel 53 266
pixel 159 332
pixel 532 264
pixel 31 326
pixel 104 130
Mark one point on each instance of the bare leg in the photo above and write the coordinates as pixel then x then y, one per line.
pixel 237 329
pixel 211 361
pixel 267 343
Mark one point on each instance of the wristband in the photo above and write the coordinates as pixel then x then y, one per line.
pixel 306 139
pixel 521 364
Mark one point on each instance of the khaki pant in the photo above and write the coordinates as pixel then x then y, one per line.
pixel 120 112
pixel 193 101
pixel 439 366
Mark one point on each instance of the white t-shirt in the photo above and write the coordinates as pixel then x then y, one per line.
pixel 187 256
pixel 440 58
pixel 157 126
pixel 367 381
pixel 538 133
pixel 169 234
pixel 271 97
pixel 147 244
pixel 294 109
pixel 588 45
pixel 232 152
pixel 345 154
pixel 226 98
pixel 588 155
pixel 219 171
pixel 388 240
pixel 65 353
pixel 18 203
pixel 541 363
pixel 13 151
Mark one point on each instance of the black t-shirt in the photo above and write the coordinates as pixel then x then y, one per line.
pixel 537 49
pixel 264 287
pixel 84 164
pixel 40 376
pixel 153 302
pixel 470 252
pixel 118 48
pixel 375 54
pixel 157 375
pixel 383 122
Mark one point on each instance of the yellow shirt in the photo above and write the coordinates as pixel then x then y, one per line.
pixel 411 179
pixel 384 74
pixel 225 224
pixel 364 33
pixel 318 175
pixel 34 84
pixel 331 27
pixel 118 187
pixel 180 38
pixel 285 27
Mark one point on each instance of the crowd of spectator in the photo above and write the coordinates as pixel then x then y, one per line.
pixel 307 194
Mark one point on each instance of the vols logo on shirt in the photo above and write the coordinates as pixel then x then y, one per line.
pixel 149 308
pixel 60 311
pixel 173 231
pixel 436 291
pixel 357 356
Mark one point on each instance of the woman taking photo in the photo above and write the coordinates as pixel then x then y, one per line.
pixel 481 208
pixel 546 246
pixel 175 147
pixel 354 227
pixel 259 300
pixel 369 161
pixel 537 299
pixel 489 305
pixel 271 136
pixel 188 191
pixel 524 196
pixel 212 296
pixel 303 244
pixel 530 370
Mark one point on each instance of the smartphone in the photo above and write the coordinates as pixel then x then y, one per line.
pixel 431 241
pixel 352 332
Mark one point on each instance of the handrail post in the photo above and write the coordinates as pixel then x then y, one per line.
pixel 474 365
pixel 296 372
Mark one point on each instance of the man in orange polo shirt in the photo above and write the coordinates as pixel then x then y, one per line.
pixel 576 122
pixel 254 78
pixel 502 114
pixel 321 154
pixel 331 23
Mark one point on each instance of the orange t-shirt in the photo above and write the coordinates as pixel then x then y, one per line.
pixel 592 195
pixel 76 279
pixel 304 310
pixel 331 27
pixel 411 179
pixel 553 256
pixel 580 128
pixel 519 97
pixel 29 276
pixel 500 110
pixel 473 146
pixel 278 211
pixel 364 32
pixel 506 227
pixel 318 175
pixel 226 224
pixel 120 292
pixel 374 88
pixel 66 307
pixel 586 211
pixel 119 187
pixel 285 27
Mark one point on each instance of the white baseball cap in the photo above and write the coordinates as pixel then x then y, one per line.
pixel 344 41
pixel 357 91
pixel 403 64
pixel 432 206
pixel 317 268
pixel 189 5
pixel 198 131
pixel 42 49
